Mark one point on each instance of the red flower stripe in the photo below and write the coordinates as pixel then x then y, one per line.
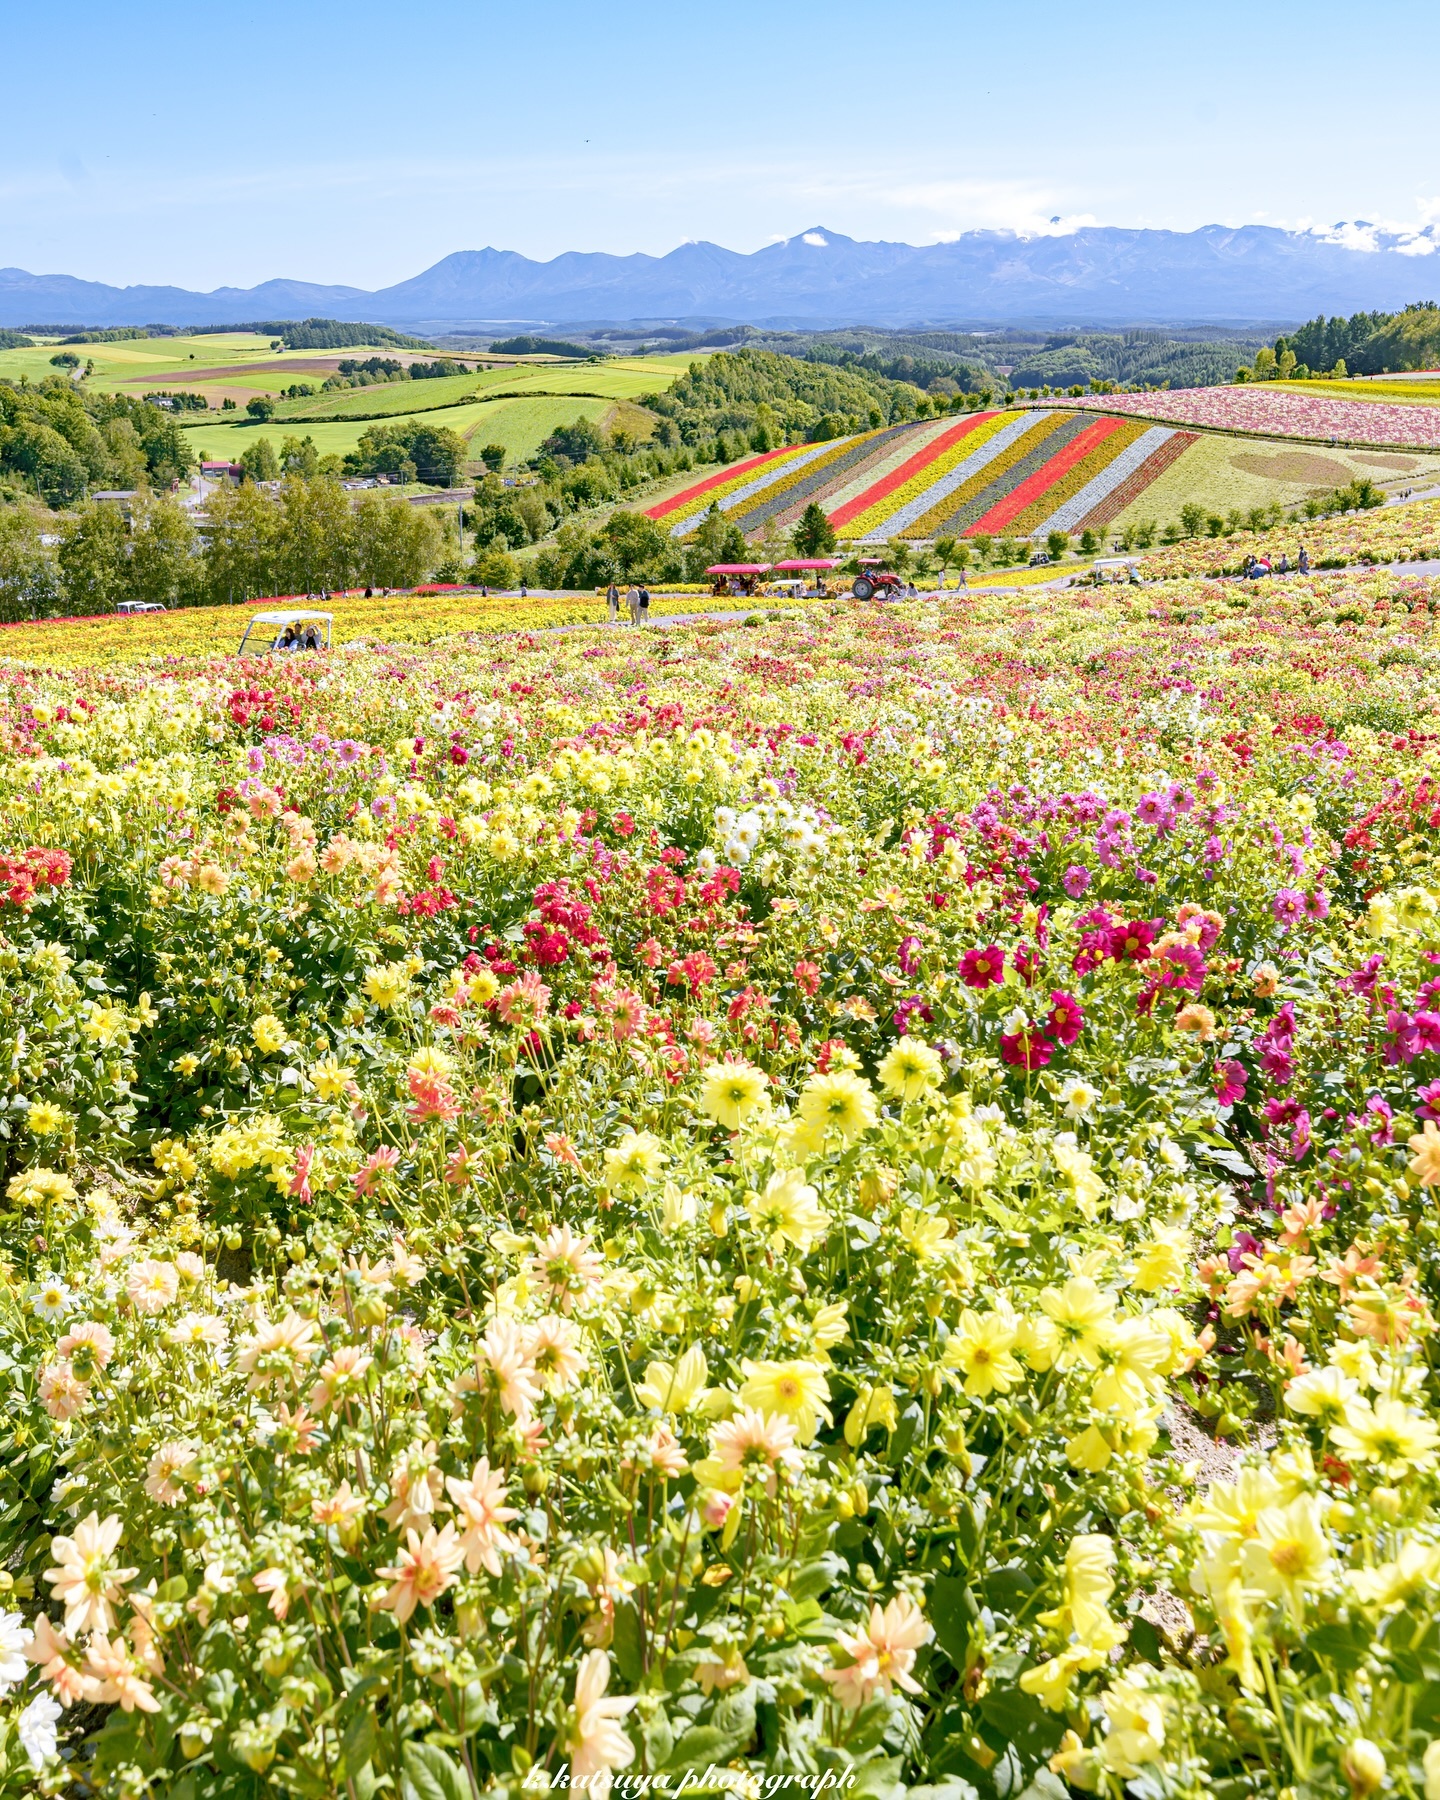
pixel 1029 490
pixel 911 467
pixel 1102 456
pixel 1135 484
pixel 661 508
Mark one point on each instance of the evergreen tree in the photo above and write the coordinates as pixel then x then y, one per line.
pixel 814 535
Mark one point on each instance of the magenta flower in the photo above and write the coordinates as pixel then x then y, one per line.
pixel 1027 1049
pixel 983 968
pixel 1288 906
pixel 1229 1082
pixel 1131 942
pixel 1067 1018
pixel 1075 880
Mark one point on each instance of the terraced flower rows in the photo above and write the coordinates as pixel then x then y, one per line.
pixel 1021 473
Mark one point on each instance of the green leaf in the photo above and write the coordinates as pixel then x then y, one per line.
pixel 358 1744
pixel 625 1644
pixel 729 1729
pixel 953 1614
pixel 429 1774
pixel 811 1581
pixel 879 1780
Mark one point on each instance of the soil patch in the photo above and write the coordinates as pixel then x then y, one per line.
pixel 1378 459
pixel 1302 466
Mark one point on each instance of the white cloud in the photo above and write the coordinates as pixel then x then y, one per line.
pixel 814 237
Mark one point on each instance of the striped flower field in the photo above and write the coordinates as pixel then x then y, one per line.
pixel 1021 474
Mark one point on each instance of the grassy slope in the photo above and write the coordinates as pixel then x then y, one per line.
pixel 1221 472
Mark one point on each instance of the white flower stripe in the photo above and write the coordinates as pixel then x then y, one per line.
pixel 777 470
pixel 1068 516
pixel 897 452
pixel 956 478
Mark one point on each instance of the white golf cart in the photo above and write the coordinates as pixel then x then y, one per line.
pixel 284 633
pixel 139 606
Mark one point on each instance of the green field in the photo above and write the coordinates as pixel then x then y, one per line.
pixel 608 381
pixel 521 425
pixel 1220 473
pixel 534 398
pixel 139 364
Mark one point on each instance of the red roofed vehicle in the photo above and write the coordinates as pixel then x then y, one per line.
pixel 736 578
pixel 875 581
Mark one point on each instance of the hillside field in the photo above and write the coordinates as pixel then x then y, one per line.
pixel 1019 473
pixel 538 395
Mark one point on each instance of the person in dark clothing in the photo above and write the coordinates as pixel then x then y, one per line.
pixel 644 604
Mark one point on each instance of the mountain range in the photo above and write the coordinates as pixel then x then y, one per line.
pixel 1094 275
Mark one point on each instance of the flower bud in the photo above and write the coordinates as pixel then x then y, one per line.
pixel 1364 1767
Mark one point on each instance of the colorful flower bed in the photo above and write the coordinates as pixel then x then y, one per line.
pixel 1137 477
pixel 1406 533
pixel 1081 453
pixel 1092 480
pixel 109 638
pixel 1279 411
pixel 923 480
pixel 847 1205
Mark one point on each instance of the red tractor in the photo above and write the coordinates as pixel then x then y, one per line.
pixel 874 581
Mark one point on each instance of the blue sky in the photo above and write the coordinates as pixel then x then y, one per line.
pixel 212 144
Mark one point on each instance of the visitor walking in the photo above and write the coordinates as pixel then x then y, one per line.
pixel 644 604
pixel 612 603
pixel 1304 563
pixel 632 601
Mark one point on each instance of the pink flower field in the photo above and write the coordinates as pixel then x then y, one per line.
pixel 1280 412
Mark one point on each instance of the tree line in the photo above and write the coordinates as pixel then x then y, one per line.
pixel 1367 343
pixel 251 542
pixel 56 441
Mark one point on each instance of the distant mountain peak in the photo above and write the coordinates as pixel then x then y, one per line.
pixel 1095 274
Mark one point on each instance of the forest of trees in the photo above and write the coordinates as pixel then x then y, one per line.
pixel 538 346
pixel 1367 343
pixel 56 441
pixel 760 398
pixel 252 542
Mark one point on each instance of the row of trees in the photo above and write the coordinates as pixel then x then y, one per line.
pixel 252 542
pixel 1367 343
pixel 57 440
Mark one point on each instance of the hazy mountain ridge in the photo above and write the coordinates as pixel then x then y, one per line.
pixel 1094 275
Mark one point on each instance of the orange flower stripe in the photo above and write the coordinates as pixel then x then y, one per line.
pixel 723 482
pixel 878 501
pixel 893 456
pixel 782 483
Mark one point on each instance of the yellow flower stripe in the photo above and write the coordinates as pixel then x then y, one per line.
pixel 747 472
pixel 928 523
pixel 926 477
pixel 1074 479
pixel 111 641
pixel 842 447
pixel 904 448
